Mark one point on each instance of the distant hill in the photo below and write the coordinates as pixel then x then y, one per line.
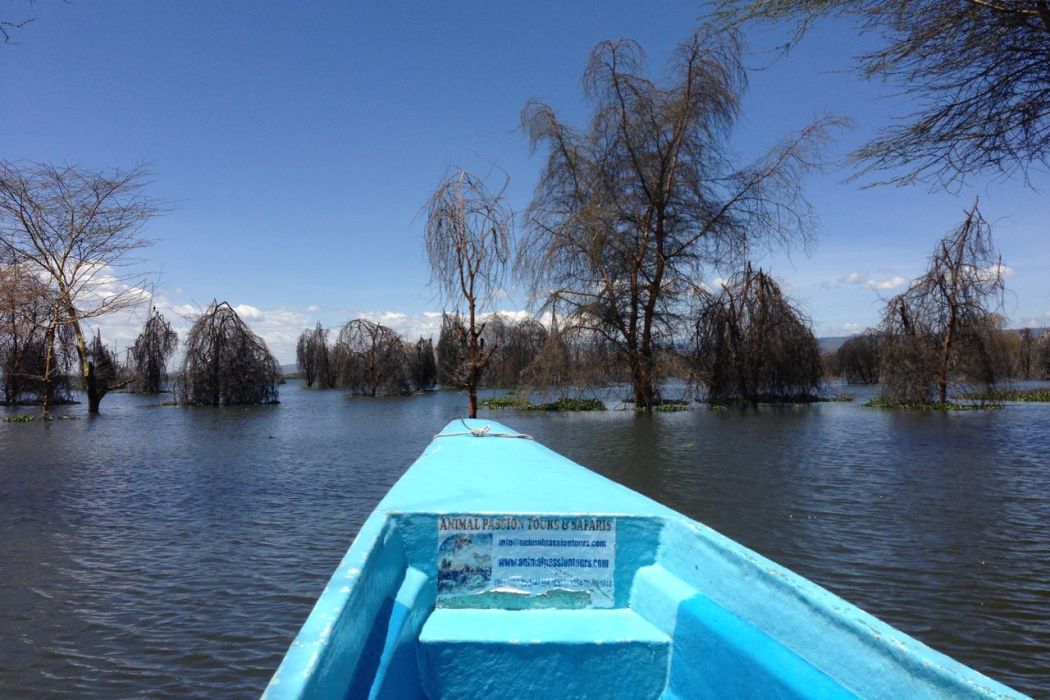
pixel 832 344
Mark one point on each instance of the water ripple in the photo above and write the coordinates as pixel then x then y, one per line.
pixel 175 553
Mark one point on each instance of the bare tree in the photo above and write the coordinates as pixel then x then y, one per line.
pixel 34 351
pixel 148 357
pixel 371 359
pixel 468 244
pixel 977 69
pixel 1042 356
pixel 77 230
pixel 312 357
pixel 1025 353
pixel 629 213
pixel 572 360
pixel 944 329
pixel 226 363
pixel 108 369
pixel 451 353
pixel 422 367
pixel 753 344
pixel 858 358
pixel 519 346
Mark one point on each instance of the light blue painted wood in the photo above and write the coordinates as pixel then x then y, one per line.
pixel 694 614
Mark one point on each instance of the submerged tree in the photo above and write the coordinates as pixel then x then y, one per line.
pixel 629 212
pixel 371 359
pixel 753 344
pixel 76 230
pixel 468 245
pixel 519 345
pixel 422 368
pixel 312 357
pixel 226 363
pixel 1026 352
pixel 35 351
pixel 571 360
pixel 944 329
pixel 24 315
pixel 859 358
pixel 148 357
pixel 451 352
pixel 978 69
pixel 109 372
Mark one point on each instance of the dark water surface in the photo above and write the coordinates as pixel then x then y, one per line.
pixel 175 552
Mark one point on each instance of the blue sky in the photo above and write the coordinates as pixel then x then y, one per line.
pixel 297 142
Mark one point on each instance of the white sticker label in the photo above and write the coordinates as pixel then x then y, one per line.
pixel 565 561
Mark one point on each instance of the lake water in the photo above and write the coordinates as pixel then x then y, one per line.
pixel 175 552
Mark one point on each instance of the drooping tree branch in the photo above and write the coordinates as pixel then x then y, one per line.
pixel 226 364
pixel 978 72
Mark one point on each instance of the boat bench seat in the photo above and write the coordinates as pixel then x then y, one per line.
pixel 718 654
pixel 542 654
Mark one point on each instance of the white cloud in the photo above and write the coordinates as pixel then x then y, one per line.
pixel 877 283
pixel 852 328
pixel 893 282
pixel 992 272
pixel 1004 270
pixel 248 313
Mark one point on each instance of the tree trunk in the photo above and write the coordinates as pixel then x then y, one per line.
pixel 95 391
pixel 45 413
pixel 642 382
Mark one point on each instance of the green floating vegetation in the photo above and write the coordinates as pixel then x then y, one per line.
pixel 1024 395
pixel 671 406
pixel 563 404
pixel 508 401
pixel 29 418
pixel 567 404
pixel 879 402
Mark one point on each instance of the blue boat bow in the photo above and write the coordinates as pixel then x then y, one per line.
pixel 496 568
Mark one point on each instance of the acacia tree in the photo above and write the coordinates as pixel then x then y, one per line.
pixel 371 358
pixel 148 357
pixel 76 230
pixel 753 344
pixel 629 212
pixel 312 357
pixel 226 363
pixel 945 328
pixel 468 245
pixel 978 69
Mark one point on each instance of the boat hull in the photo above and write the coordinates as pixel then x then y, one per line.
pixel 496 568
